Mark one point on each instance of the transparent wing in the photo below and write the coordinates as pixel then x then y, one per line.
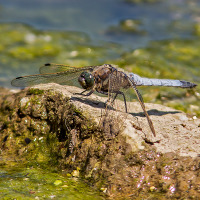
pixel 59 77
pixel 31 80
pixel 54 68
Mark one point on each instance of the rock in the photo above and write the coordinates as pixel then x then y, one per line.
pixel 113 150
pixel 175 131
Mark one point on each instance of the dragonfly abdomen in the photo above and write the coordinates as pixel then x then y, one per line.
pixel 139 81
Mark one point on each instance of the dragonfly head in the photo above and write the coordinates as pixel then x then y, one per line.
pixel 86 80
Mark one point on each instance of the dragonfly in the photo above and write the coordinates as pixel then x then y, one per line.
pixel 106 79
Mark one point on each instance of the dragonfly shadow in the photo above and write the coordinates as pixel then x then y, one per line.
pixel 93 103
pixel 155 112
pixel 102 105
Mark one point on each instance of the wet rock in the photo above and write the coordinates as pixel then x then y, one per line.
pixel 107 147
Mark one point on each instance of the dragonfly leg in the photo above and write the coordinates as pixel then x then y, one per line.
pixel 102 92
pixel 116 94
pixel 82 93
pixel 106 93
pixel 89 93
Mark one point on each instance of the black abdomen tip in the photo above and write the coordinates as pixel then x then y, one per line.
pixel 187 84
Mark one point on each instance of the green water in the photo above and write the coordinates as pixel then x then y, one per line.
pixel 21 182
pixel 25 49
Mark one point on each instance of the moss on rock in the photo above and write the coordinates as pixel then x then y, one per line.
pixel 64 138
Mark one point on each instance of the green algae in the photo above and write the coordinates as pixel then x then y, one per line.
pixel 35 91
pixel 127 26
pixel 32 123
pixel 21 182
pixel 175 59
pixel 25 49
pixel 37 150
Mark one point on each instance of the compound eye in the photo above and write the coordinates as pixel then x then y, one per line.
pixel 86 80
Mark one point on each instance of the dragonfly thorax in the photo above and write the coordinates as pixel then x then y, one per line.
pixel 86 80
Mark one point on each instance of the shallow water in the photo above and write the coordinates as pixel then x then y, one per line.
pixel 102 19
pixel 87 32
pixel 22 182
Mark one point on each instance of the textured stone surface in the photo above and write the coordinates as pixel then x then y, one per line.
pixel 52 126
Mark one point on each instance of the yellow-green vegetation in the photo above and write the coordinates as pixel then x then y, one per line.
pixel 127 26
pixel 35 91
pixel 25 49
pixel 33 152
pixel 21 182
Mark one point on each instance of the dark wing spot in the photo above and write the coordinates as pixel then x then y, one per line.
pixel 47 64
pixel 19 77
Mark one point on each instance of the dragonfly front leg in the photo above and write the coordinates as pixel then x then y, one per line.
pixel 82 93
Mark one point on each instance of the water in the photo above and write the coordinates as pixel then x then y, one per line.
pixel 156 40
pixel 130 25
pixel 37 183
pixel 160 20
